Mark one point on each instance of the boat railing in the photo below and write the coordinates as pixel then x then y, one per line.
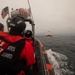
pixel 45 65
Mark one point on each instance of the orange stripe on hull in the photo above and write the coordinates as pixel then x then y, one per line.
pixel 49 67
pixel 40 42
pixel 44 52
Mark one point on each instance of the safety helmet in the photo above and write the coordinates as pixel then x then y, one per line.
pixel 16 24
pixel 28 33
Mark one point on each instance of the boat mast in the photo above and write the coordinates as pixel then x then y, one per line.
pixel 31 17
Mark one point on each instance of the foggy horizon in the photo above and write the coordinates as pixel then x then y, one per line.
pixel 56 16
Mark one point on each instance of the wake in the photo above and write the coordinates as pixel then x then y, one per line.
pixel 60 63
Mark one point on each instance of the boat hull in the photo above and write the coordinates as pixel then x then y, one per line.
pixel 42 66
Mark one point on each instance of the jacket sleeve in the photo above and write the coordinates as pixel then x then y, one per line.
pixel 28 54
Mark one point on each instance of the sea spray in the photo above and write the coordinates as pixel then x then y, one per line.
pixel 59 62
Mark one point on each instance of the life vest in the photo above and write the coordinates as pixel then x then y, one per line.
pixel 29 40
pixel 10 50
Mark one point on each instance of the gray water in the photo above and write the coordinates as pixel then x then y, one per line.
pixel 61 44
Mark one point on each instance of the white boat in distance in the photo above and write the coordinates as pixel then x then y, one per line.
pixel 49 34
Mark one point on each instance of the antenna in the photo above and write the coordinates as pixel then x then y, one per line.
pixel 31 17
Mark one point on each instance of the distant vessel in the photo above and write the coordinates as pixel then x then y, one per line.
pixel 49 34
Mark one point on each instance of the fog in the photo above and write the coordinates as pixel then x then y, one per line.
pixel 56 16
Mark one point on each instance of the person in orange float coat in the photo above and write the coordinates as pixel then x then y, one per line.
pixel 29 36
pixel 17 27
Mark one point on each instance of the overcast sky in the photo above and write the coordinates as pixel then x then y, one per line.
pixel 56 16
